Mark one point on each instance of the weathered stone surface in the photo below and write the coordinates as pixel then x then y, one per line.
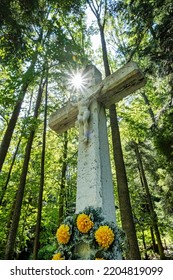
pixel 64 118
pixel 94 180
pixel 120 84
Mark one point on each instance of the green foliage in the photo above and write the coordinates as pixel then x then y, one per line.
pixel 163 136
pixel 46 252
pixel 48 33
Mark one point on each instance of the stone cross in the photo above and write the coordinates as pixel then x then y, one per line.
pixel 94 178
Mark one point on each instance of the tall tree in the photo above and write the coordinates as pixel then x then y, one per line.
pixel 18 48
pixel 61 202
pixel 40 198
pixel 123 192
pixel 20 192
pixel 27 78
pixel 9 172
pixel 150 203
pixel 58 47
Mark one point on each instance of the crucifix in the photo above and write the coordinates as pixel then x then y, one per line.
pixel 94 177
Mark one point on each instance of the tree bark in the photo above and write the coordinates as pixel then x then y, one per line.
pixel 40 199
pixel 63 180
pixel 10 128
pixel 153 239
pixel 144 243
pixel 9 172
pixel 123 191
pixel 13 120
pixel 20 193
pixel 150 111
pixel 150 203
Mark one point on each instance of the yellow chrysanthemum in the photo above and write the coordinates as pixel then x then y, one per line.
pixel 57 257
pixel 104 236
pixel 63 234
pixel 99 259
pixel 84 224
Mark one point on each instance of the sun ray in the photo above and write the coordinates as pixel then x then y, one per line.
pixel 77 80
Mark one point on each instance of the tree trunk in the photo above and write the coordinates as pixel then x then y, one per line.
pixel 9 172
pixel 123 191
pixel 22 237
pixel 144 243
pixel 150 203
pixel 12 123
pixel 153 240
pixel 63 180
pixel 20 193
pixel 40 199
pixel 150 111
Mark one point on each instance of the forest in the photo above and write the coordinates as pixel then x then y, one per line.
pixel 42 44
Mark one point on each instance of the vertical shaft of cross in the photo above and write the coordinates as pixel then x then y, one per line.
pixel 94 180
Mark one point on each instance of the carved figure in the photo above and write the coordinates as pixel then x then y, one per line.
pixel 83 115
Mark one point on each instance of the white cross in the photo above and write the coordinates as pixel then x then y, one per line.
pixel 94 178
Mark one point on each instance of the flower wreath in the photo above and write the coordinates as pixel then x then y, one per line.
pixel 87 235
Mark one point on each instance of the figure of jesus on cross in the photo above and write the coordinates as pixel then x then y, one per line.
pixel 94 177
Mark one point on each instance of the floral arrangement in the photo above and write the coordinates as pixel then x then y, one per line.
pixel 87 235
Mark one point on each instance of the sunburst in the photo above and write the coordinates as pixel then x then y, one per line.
pixel 77 81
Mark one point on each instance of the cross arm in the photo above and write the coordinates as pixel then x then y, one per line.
pixel 112 89
pixel 64 118
pixel 121 83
